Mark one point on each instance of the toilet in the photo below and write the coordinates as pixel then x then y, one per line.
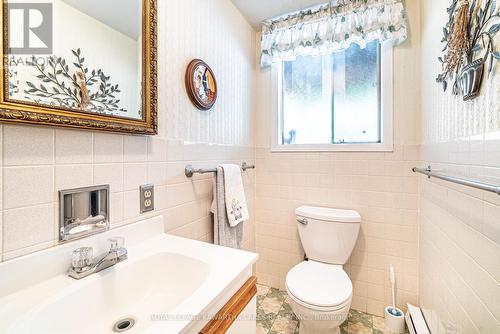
pixel 319 289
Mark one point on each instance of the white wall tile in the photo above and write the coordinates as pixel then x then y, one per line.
pixel 131 204
pixel 135 148
pixel 134 175
pixel 27 250
pixel 380 186
pixel 24 145
pixel 491 226
pixel 85 158
pixel 108 148
pixel 25 186
pixel 73 147
pixel 157 173
pixel 459 235
pixel 65 176
pixel 116 208
pixel 27 227
pixel 111 174
pixel 157 149
pixel 160 198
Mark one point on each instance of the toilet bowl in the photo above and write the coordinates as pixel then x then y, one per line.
pixel 319 289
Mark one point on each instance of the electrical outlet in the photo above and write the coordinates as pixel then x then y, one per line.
pixel 147 198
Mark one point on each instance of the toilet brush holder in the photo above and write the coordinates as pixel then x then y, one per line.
pixel 394 320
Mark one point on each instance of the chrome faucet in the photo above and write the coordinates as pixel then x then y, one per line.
pixel 83 264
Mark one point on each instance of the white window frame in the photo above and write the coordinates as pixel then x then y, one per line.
pixel 386 105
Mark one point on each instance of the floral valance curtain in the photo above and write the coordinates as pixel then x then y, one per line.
pixel 332 27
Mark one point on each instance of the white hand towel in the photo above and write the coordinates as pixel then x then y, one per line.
pixel 236 203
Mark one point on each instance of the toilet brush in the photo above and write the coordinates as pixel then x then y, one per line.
pixel 394 317
pixel 393 281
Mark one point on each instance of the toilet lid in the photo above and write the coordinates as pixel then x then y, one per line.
pixel 319 284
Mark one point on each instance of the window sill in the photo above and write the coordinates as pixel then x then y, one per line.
pixel 375 147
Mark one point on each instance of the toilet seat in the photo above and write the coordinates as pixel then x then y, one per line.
pixel 319 286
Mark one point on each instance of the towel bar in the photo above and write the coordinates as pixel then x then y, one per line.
pixel 473 184
pixel 190 170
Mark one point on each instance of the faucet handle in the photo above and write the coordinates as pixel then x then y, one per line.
pixel 116 243
pixel 82 258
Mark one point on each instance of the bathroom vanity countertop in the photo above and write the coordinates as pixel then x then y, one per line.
pixel 168 284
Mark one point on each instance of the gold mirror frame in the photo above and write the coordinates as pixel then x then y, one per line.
pixel 45 115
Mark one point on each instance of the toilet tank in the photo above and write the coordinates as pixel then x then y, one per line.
pixel 328 235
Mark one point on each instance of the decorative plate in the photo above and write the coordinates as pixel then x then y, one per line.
pixel 201 85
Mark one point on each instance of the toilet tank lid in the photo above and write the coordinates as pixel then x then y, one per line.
pixel 329 214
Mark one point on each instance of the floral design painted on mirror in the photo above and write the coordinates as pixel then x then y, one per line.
pixel 76 88
pixel 88 64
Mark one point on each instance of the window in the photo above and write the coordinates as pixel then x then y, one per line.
pixel 340 101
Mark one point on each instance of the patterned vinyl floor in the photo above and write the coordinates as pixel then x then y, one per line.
pixel 275 316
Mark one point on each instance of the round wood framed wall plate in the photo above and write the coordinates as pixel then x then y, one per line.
pixel 201 85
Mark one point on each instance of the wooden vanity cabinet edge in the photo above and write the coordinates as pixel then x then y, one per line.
pixel 233 308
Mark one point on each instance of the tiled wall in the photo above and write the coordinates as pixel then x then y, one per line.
pixel 459 227
pixel 378 185
pixel 38 161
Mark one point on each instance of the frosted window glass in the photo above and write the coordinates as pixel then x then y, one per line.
pixel 332 99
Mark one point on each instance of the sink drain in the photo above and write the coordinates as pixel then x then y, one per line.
pixel 123 325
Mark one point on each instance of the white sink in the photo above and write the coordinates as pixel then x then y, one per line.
pixel 167 285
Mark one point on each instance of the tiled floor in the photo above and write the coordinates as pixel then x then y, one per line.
pixel 275 316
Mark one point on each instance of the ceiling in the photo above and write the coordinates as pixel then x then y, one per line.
pixel 121 15
pixel 256 11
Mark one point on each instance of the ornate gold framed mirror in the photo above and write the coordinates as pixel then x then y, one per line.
pixel 84 64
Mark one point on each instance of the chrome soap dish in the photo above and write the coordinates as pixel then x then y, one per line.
pixel 83 212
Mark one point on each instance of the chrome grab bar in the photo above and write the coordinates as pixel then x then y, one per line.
pixel 473 184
